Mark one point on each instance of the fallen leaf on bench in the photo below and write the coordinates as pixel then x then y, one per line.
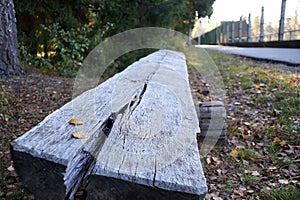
pixel 76 121
pixel 134 99
pixel 79 135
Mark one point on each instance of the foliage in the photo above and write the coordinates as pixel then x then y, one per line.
pixel 62 33
pixel 65 50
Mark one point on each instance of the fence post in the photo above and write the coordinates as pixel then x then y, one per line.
pixel 281 21
pixel 249 28
pixel 227 32
pixel 218 35
pixel 223 32
pixel 232 32
pixel 261 35
pixel 240 29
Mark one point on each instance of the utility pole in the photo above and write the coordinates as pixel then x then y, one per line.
pixel 281 21
pixel 261 35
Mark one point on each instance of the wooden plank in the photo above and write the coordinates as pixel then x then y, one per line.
pixel 153 151
pixel 212 121
pixel 49 146
pixel 141 130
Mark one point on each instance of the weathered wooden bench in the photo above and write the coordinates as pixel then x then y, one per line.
pixel 138 139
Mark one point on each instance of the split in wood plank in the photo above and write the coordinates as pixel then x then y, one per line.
pixel 140 128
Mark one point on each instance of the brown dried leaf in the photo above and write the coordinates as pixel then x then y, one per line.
pixel 134 99
pixel 215 159
pixel 75 121
pixel 79 135
pixel 30 197
pixel 283 143
pixel 276 139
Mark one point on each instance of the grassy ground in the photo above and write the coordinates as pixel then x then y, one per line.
pixel 261 160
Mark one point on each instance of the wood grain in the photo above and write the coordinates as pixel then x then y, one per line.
pixel 141 127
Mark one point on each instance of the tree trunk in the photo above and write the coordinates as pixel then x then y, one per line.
pixel 9 54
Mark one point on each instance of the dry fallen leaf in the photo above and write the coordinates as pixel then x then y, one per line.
pixel 79 135
pixel 247 123
pixel 255 173
pixel 283 181
pixel 257 87
pixel 76 121
pixel 283 143
pixel 215 159
pixel 234 153
pixel 208 161
pixel 272 168
pixel 11 168
pixel 30 197
pixel 276 139
pixel 134 99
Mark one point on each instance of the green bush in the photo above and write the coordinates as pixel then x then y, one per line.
pixel 64 50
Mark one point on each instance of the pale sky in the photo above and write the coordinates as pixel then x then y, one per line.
pixel 231 10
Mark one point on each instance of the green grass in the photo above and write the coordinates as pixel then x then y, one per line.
pixel 250 179
pixel 283 193
pixel 5 98
pixel 249 154
pixel 270 104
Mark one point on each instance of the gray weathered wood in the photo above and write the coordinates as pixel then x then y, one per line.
pixel 141 130
pixel 212 116
pixel 9 49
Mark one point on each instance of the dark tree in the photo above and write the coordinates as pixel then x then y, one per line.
pixel 9 53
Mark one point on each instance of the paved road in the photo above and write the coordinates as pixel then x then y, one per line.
pixel 283 55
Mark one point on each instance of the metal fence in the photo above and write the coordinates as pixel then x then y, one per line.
pixel 240 31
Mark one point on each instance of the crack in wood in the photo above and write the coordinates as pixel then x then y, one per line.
pixel 135 104
pixel 154 174
pixel 82 164
pixel 157 162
